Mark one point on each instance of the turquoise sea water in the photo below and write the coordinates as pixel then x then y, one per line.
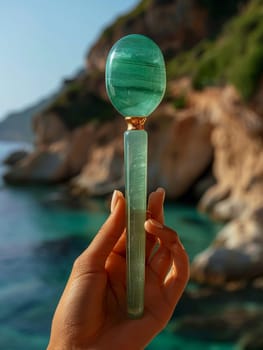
pixel 39 240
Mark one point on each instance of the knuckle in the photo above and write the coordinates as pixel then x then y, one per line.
pixel 78 264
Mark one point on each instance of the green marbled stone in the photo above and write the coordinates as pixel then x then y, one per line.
pixel 135 157
pixel 135 82
pixel 135 76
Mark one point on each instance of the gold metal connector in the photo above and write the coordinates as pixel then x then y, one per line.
pixel 135 123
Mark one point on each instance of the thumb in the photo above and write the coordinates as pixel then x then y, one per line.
pixel 95 256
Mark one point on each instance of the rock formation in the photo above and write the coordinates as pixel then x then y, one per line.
pixel 237 140
pixel 170 164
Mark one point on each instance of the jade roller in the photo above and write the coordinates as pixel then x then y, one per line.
pixel 135 83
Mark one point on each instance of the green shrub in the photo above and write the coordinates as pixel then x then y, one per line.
pixel 217 9
pixel 235 57
pixel 76 105
pixel 179 102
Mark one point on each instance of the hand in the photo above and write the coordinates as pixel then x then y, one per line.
pixel 92 313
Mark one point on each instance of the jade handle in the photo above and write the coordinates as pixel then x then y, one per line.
pixel 135 158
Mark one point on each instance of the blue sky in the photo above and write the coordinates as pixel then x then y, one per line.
pixel 44 41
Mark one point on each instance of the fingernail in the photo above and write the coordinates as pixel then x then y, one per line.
pixel 114 200
pixel 156 223
pixel 160 189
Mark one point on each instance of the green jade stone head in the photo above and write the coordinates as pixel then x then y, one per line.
pixel 135 76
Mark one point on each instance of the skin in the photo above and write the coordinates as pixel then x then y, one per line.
pixel 91 313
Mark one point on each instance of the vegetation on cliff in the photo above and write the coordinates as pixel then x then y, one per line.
pixel 77 105
pixel 137 12
pixel 236 56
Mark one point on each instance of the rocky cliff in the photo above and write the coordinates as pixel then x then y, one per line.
pixel 176 25
pixel 212 115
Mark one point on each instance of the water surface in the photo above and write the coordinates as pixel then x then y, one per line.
pixel 40 238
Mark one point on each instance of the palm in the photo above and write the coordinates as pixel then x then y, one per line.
pixel 158 309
